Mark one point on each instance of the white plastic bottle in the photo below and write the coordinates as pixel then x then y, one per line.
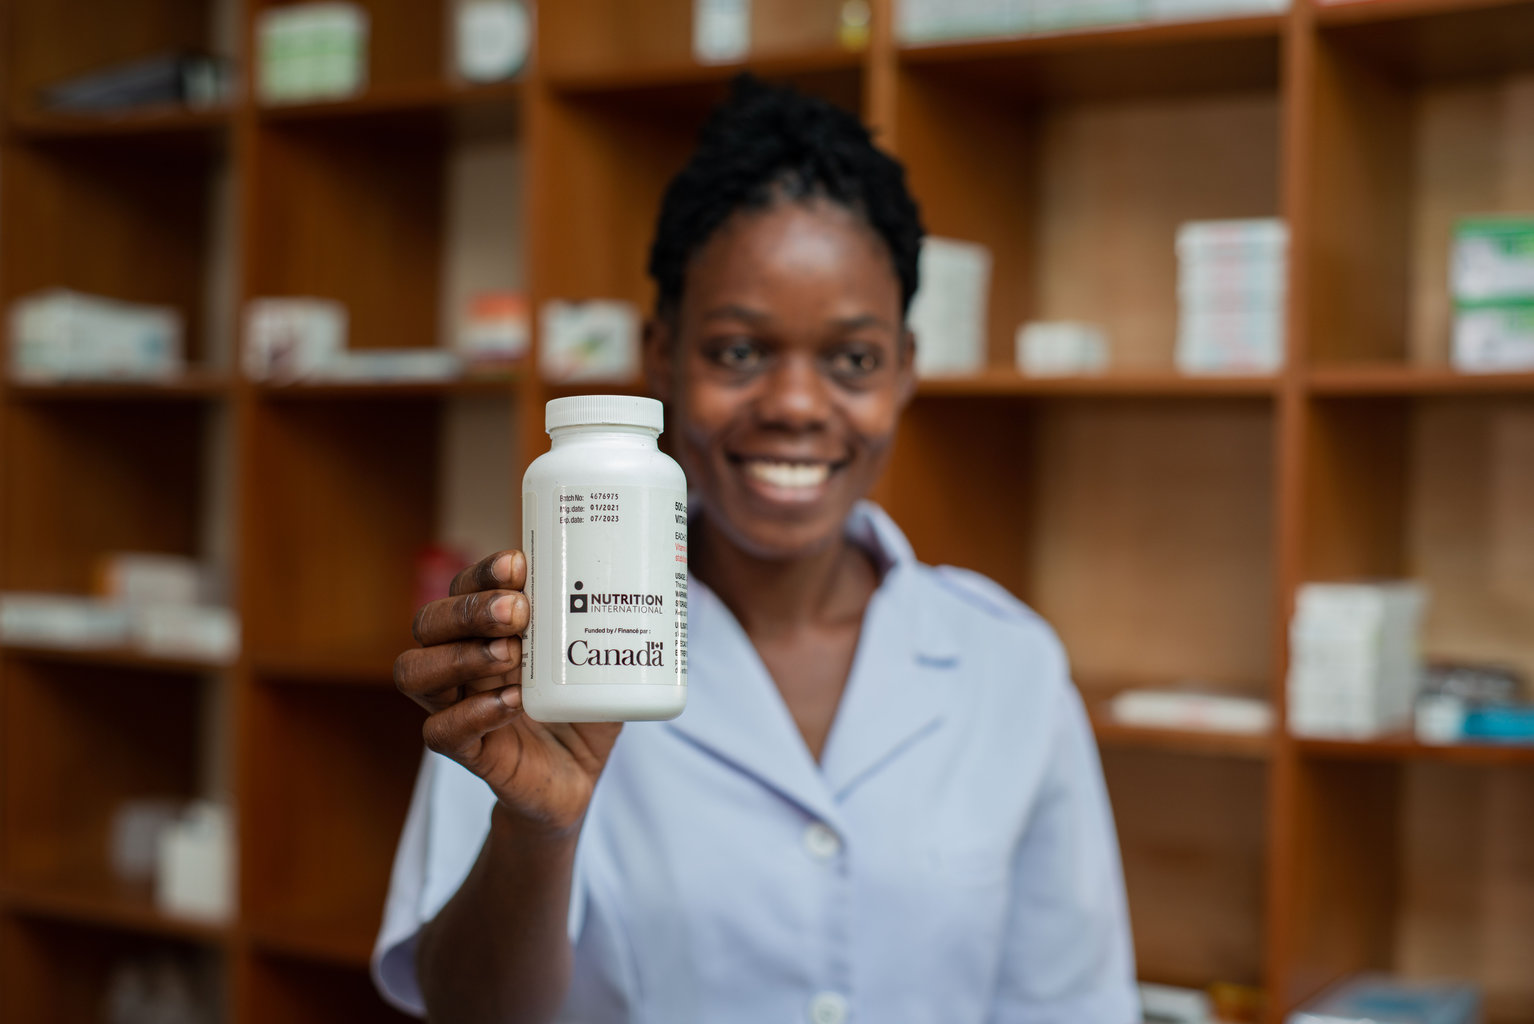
pixel 604 527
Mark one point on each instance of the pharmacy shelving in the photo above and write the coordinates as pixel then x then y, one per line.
pixel 1161 522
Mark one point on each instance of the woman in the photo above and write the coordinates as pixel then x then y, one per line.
pixel 883 802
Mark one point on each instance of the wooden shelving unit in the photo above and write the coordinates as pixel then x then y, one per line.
pixel 1162 523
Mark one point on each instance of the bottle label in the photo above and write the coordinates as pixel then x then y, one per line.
pixel 611 599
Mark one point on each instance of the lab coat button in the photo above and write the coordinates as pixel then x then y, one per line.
pixel 828 1008
pixel 822 842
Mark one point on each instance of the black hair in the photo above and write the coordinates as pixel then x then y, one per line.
pixel 769 142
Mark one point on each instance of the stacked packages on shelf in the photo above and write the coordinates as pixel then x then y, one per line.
pixel 60 335
pixel 1230 292
pixel 312 51
pixel 1354 659
pixel 928 21
pixel 157 604
pixel 949 311
pixel 1493 286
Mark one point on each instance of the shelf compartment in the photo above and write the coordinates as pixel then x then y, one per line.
pixel 1141 530
pixel 1193 846
pixel 79 742
pixel 1433 488
pixel 350 499
pixel 56 972
pixel 1079 200
pixel 1139 59
pixel 297 991
pixel 61 44
pixel 158 225
pixel 320 823
pixel 1420 868
pixel 1399 154
pixel 86 479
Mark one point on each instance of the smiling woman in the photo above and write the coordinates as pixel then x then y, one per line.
pixel 883 800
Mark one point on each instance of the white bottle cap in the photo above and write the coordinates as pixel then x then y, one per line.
pixel 604 410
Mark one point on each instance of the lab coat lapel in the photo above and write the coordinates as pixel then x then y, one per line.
pixel 893 699
pixel 734 710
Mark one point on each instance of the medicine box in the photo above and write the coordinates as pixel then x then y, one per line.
pixel 65 335
pixel 948 313
pixel 1493 259
pixel 1494 337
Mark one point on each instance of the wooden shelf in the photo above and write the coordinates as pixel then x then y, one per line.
pixel 1199 742
pixel 189 387
pixel 1405 747
pixel 1240 53
pixel 120 657
pixel 1394 379
pixel 468 110
pixel 120 908
pixel 151 123
pixel 1002 383
pixel 467 387
pixel 831 59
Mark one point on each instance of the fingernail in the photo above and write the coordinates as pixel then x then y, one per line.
pixel 502 568
pixel 500 650
pixel 502 609
pixel 511 697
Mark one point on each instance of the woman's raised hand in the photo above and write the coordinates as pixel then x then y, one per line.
pixel 467 675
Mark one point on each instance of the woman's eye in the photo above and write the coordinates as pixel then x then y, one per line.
pixel 738 354
pixel 854 362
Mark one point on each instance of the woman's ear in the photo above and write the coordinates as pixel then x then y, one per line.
pixel 657 353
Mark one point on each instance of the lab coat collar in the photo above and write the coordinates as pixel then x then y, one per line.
pixel 892 701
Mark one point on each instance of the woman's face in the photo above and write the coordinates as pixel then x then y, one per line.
pixel 785 367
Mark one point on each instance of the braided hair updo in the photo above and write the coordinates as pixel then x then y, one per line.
pixel 769 143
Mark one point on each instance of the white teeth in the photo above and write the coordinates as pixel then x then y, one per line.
pixel 789 474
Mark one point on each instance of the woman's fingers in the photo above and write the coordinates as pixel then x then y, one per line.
pixel 482 613
pixel 504 570
pixel 433 676
pixel 459 731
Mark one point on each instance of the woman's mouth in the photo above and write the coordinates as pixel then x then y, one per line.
pixel 788 481
pixel 789 475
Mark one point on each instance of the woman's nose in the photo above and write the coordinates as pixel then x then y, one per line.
pixel 795 396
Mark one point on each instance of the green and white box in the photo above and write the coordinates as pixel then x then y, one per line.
pixel 1493 259
pixel 1494 337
